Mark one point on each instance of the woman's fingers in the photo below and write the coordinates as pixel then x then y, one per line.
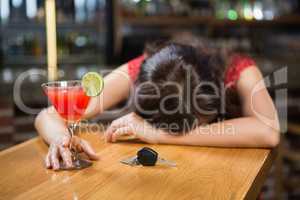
pixel 86 147
pixel 83 146
pixel 66 140
pixel 112 128
pixel 123 131
pixel 66 156
pixel 57 151
pixel 76 144
pixel 47 161
pixel 54 157
pixel 108 132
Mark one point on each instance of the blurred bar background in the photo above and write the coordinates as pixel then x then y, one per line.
pixel 101 34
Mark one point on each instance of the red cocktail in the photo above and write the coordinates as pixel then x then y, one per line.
pixel 70 101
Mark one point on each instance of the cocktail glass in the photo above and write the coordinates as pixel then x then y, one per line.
pixel 70 101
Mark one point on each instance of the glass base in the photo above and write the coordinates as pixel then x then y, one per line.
pixel 77 164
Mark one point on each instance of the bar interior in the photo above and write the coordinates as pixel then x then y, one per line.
pixel 48 40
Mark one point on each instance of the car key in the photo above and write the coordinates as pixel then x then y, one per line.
pixel 132 161
pixel 166 162
pixel 147 157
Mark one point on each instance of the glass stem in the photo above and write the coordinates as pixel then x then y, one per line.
pixel 72 129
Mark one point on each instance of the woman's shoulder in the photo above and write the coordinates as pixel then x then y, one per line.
pixel 236 65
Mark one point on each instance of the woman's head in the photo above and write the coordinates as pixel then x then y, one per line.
pixel 178 87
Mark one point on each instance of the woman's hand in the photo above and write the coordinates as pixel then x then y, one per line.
pixel 61 150
pixel 132 125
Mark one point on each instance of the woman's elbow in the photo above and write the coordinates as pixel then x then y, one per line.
pixel 38 118
pixel 273 138
pixel 41 117
pixel 270 135
pixel 275 134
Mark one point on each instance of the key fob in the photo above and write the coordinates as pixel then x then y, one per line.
pixel 147 156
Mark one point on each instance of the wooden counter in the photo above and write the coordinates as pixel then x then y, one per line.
pixel 202 173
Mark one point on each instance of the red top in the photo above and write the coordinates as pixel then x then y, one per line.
pixel 238 63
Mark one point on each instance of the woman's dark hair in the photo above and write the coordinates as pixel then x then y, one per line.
pixel 180 83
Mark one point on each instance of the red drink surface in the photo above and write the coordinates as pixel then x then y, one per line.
pixel 69 102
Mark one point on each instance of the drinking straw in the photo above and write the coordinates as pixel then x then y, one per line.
pixel 51 39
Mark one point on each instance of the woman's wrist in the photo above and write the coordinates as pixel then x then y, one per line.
pixel 164 137
pixel 58 138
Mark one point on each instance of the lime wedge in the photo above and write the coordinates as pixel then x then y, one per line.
pixel 92 84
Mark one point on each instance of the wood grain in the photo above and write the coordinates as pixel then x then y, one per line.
pixel 202 173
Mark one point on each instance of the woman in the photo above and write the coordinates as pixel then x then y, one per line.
pixel 185 94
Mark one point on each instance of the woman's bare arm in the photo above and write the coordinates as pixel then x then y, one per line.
pixel 251 130
pixel 259 126
pixel 53 129
pixel 117 86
